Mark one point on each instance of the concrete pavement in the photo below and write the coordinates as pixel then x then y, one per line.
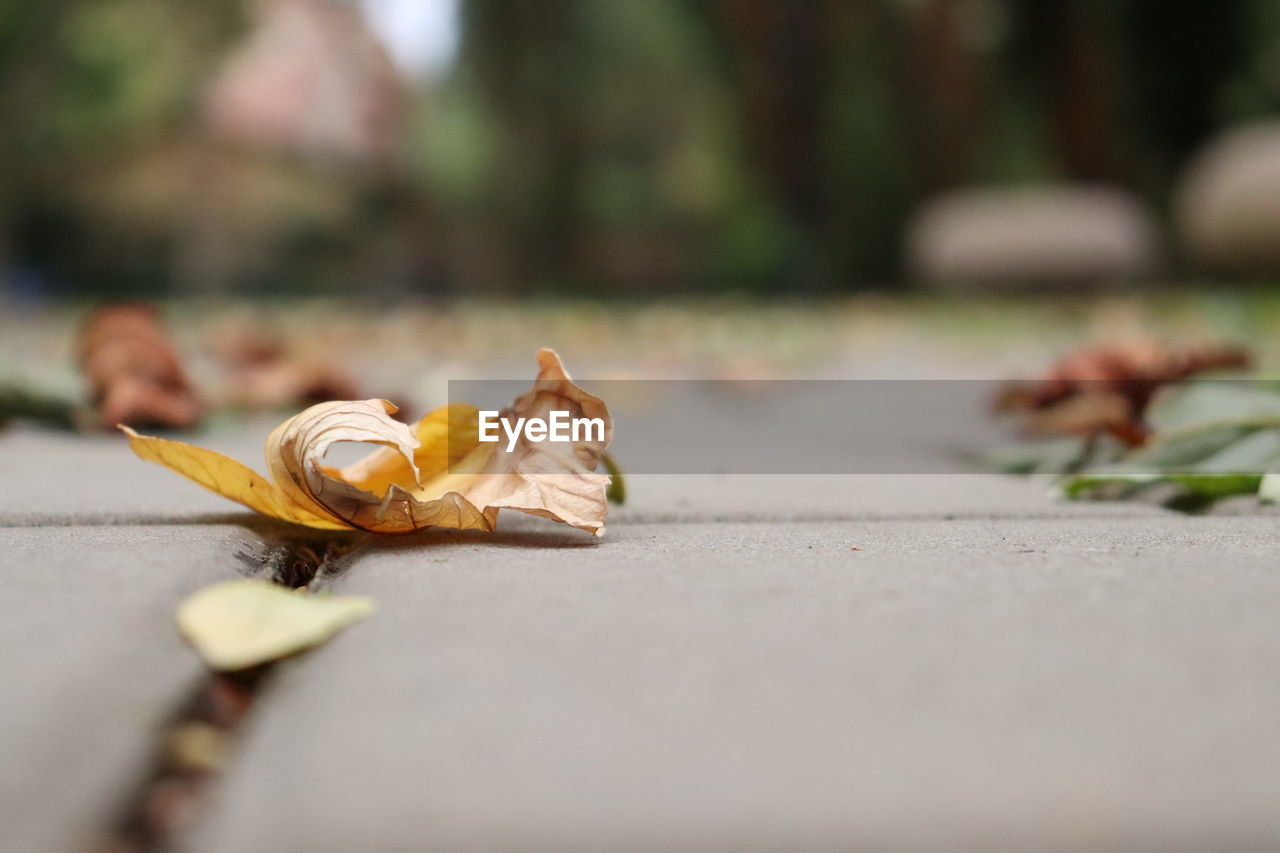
pixel 974 684
pixel 723 670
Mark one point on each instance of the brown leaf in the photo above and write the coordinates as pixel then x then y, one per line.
pixel 268 371
pixel 133 370
pixel 1107 388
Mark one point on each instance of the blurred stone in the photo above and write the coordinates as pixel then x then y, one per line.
pixel 1046 236
pixel 1227 204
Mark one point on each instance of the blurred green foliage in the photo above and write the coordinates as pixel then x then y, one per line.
pixel 602 146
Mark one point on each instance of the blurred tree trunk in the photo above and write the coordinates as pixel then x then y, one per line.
pixel 1071 51
pixel 780 55
pixel 795 64
pixel 942 91
pixel 524 53
pixel 32 56
pixel 1181 58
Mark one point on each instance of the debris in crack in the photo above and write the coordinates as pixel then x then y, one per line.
pixel 198 740
pixel 192 748
pixel 301 561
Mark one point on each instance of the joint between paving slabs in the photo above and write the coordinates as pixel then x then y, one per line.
pixel 196 742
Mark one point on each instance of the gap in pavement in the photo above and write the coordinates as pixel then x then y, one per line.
pixel 196 742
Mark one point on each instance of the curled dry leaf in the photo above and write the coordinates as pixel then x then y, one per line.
pixel 267 371
pixel 133 370
pixel 1107 388
pixel 291 380
pixel 436 474
pixel 243 623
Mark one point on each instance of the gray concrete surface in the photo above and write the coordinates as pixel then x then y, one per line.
pixel 60 478
pixel 57 479
pixel 974 684
pixel 90 665
pixel 659 498
pixel 992 671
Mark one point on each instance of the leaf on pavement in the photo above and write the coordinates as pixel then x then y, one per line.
pixel 244 623
pixel 1106 388
pixel 268 370
pixel 133 369
pixel 438 474
pixel 1144 431
pixel 1183 492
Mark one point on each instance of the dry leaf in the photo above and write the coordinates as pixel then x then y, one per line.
pixel 438 474
pixel 243 623
pixel 133 370
pixel 266 370
pixel 1107 388
pixel 291 380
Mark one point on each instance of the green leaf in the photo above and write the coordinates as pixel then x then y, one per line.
pixel 617 491
pixel 1197 405
pixel 1212 440
pixel 1053 456
pixel 1193 492
pixel 244 623
pixel 1106 486
pixel 1187 450
pixel 1217 486
pixel 1253 453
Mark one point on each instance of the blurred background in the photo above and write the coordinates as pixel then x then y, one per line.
pixel 612 148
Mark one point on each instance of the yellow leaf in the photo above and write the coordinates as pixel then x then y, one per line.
pixel 243 623
pixel 227 477
pixel 438 474
pixel 445 437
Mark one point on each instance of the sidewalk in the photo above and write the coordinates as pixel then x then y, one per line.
pixel 723 671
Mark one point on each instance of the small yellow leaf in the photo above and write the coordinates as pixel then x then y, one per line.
pixel 243 623
pixel 227 477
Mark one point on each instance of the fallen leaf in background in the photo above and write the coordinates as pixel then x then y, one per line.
pixel 1107 388
pixel 244 623
pixel 267 371
pixel 438 474
pixel 1184 444
pixel 1209 441
pixel 133 370
pixel 290 381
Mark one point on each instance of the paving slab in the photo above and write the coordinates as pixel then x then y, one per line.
pixel 662 498
pixel 66 479
pixel 722 670
pixel 91 665
pixel 972 684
